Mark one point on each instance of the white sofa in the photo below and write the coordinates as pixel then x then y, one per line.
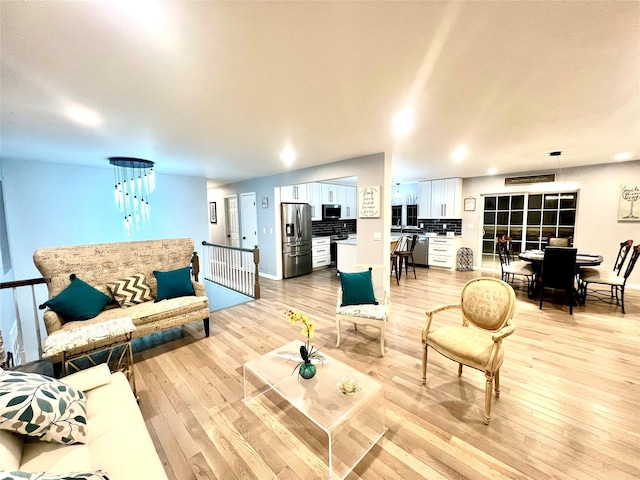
pixel 118 440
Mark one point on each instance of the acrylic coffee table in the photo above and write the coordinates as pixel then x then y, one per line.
pixel 352 423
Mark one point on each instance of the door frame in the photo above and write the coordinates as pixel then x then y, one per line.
pixel 228 219
pixel 244 214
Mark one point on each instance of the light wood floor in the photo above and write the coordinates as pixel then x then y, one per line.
pixel 569 406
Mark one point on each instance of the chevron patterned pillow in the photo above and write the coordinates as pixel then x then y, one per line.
pixel 131 290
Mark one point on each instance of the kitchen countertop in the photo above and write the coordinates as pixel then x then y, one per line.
pixel 348 241
pixel 328 235
pixel 394 237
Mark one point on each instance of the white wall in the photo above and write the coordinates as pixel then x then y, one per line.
pixel 51 204
pixel 370 170
pixel 597 227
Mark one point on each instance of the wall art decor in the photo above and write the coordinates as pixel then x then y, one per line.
pixel 469 204
pixel 369 202
pixel 628 210
pixel 213 212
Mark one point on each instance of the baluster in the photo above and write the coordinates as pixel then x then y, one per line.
pixel 21 352
pixel 234 268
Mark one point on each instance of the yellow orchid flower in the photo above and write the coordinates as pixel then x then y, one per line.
pixel 309 329
pixel 307 352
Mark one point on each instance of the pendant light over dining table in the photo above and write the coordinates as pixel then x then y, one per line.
pixel 134 181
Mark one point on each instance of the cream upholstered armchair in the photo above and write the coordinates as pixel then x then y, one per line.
pixel 487 306
pixel 363 298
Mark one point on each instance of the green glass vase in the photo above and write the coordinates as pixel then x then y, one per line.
pixel 307 370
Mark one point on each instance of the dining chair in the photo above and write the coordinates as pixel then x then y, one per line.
pixel 363 298
pixel 511 267
pixel 615 281
pixel 487 306
pixel 560 242
pixel 400 245
pixel 404 256
pixel 623 252
pixel 558 272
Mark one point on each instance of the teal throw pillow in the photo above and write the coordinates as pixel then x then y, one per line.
pixel 79 301
pixel 174 283
pixel 357 288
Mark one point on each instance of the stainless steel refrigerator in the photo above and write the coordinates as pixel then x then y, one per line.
pixel 296 239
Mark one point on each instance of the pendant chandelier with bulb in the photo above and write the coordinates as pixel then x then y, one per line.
pixel 398 194
pixel 134 180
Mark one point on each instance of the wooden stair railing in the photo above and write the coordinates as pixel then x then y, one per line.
pixel 15 285
pixel 232 267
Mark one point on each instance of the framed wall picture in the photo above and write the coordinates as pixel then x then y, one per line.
pixel 369 202
pixel 469 204
pixel 629 195
pixel 213 212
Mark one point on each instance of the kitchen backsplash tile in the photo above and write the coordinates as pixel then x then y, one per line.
pixel 330 227
pixel 438 225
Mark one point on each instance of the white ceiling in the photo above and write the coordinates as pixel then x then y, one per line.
pixel 217 89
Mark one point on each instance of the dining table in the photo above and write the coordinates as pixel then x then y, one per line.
pixel 537 256
pixel 582 259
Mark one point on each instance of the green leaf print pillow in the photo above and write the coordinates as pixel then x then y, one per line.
pixel 43 407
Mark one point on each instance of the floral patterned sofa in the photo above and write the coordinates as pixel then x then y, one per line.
pixel 101 266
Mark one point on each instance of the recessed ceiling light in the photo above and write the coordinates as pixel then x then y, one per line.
pixel 460 154
pixel 147 13
pixel 403 123
pixel 82 115
pixel 492 171
pixel 622 156
pixel 288 156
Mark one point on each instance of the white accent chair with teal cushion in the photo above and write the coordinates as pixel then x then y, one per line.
pixel 363 298
pixel 487 306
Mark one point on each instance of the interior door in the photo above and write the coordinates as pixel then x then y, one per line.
pixel 233 227
pixel 249 219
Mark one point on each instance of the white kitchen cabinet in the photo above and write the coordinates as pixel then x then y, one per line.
pixel 442 251
pixel 424 199
pixel 349 202
pixel 437 199
pixel 314 197
pixel 446 198
pixel 294 193
pixel 320 252
pixel 331 193
pixel 440 198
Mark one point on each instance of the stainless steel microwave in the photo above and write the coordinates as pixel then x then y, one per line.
pixel 331 211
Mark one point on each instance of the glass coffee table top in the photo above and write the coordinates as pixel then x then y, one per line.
pixel 352 423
